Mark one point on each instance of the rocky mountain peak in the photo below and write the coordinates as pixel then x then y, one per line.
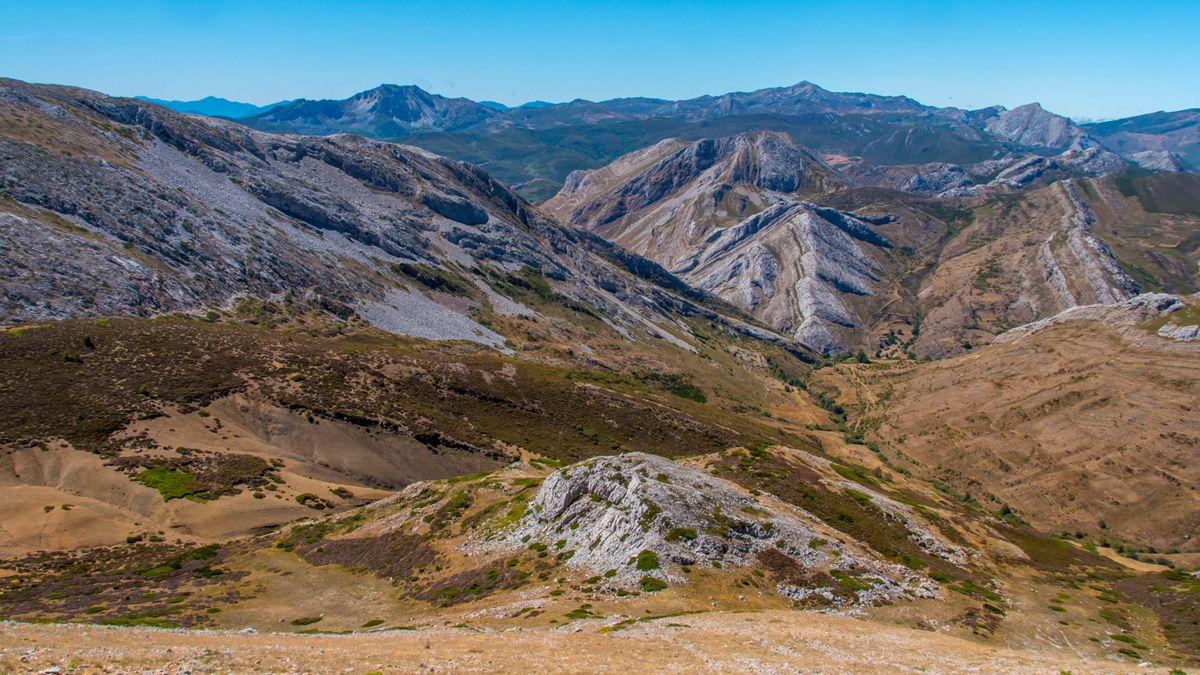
pixel 387 111
pixel 748 164
pixel 1034 126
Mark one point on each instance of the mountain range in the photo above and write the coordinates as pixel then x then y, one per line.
pixel 535 146
pixel 214 106
pixel 752 360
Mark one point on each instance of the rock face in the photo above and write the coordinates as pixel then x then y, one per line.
pixel 610 510
pixel 792 264
pixel 1031 125
pixel 1180 333
pixel 934 178
pixel 1131 311
pixel 1079 160
pixel 707 182
pixel 1096 276
pixel 1158 160
pixel 727 216
pixel 115 206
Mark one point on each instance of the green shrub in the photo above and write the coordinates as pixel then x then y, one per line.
pixel 971 588
pixel 675 384
pixel 650 584
pixel 208 572
pixel 681 534
pixel 862 498
pixel 646 561
pixel 306 620
pixel 171 484
pixel 432 278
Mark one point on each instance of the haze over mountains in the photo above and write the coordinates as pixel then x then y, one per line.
pixel 749 355
pixel 213 106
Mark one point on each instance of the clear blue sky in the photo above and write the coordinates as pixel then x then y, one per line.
pixel 1096 59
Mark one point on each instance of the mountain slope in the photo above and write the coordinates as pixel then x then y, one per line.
pixel 729 216
pixel 272 279
pixel 149 211
pixel 1082 422
pixel 941 258
pixel 1163 133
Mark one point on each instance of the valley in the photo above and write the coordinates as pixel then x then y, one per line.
pixel 771 380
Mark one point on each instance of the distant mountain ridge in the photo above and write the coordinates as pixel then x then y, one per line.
pixel 1169 136
pixel 213 106
pixel 534 146
pixel 387 111
pixel 414 109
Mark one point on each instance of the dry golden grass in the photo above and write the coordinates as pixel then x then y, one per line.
pixel 714 642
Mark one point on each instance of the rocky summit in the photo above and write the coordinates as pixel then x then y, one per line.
pixel 666 518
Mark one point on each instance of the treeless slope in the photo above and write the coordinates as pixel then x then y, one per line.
pixel 720 641
pixel 1086 422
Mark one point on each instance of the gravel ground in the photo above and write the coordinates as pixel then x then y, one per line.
pixel 766 642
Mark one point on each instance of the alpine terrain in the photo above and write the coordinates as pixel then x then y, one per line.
pixel 789 379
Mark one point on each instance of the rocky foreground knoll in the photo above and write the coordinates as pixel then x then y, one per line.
pixel 649 517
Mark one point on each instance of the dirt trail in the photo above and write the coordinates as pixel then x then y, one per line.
pixel 717 642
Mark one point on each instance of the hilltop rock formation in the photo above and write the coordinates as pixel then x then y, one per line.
pixel 1159 160
pixel 611 510
pixel 1129 312
pixel 935 178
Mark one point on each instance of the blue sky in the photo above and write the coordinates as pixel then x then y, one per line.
pixel 1094 59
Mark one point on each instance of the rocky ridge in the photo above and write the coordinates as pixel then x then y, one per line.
pixel 728 216
pixel 792 264
pixel 1032 125
pixel 645 515
pixel 1126 313
pixel 150 211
